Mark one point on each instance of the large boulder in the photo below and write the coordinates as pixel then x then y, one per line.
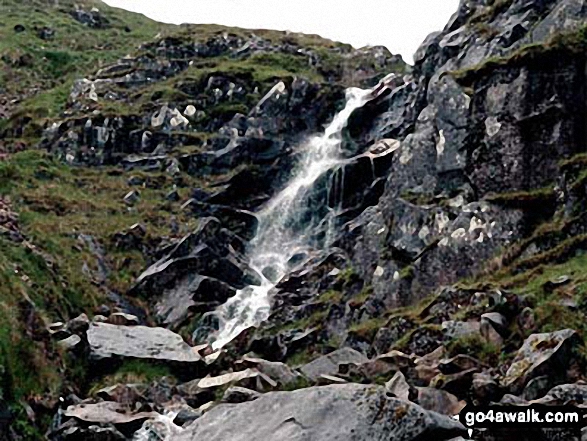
pixel 351 412
pixel 329 364
pixel 548 354
pixel 109 343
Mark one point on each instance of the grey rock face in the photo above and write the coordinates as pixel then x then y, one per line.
pixel 108 341
pixel 543 354
pixel 350 412
pixel 329 364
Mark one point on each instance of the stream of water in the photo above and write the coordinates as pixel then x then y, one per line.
pixel 286 229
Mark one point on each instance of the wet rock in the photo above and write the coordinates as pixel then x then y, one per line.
pixel 326 413
pixel 193 294
pixel 330 364
pixel 550 354
pixel 241 222
pixel 210 251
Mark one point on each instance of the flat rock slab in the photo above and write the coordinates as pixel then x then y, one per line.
pixel 329 364
pixel 106 413
pixel 350 412
pixel 108 341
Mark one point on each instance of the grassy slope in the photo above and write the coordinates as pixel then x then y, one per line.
pixel 42 280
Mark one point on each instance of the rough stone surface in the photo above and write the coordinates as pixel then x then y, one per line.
pixel 353 412
pixel 108 341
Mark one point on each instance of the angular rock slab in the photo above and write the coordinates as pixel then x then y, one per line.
pixel 330 363
pixel 350 412
pixel 542 354
pixel 106 413
pixel 107 341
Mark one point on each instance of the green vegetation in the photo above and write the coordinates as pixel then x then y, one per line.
pixel 521 199
pixel 475 346
pixel 133 372
pixel 537 54
pixel 43 279
pixel 490 12
pixel 30 63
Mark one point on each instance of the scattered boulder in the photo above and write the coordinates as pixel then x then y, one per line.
pixel 109 341
pixel 495 320
pixel 398 387
pixel 537 387
pixel 325 413
pixel 249 378
pixel 566 394
pixel 236 394
pixel 45 33
pixel 542 354
pixel 123 319
pixel 92 18
pixel 440 401
pixel 330 364
pixel 457 384
pixel 281 373
pixel 192 294
pixel 107 412
pixel 485 388
pixel 454 329
pixel 132 197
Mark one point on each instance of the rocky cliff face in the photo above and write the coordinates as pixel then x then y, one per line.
pixel 451 268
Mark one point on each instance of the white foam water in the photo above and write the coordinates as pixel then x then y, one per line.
pixel 284 230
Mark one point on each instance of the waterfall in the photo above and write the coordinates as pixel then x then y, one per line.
pixel 287 225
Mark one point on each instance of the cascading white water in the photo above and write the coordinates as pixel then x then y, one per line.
pixel 281 235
